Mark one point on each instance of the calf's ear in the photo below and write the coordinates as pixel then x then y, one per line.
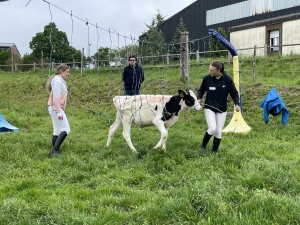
pixel 181 93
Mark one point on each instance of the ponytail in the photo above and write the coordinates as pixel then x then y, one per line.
pixel 48 84
pixel 62 67
pixel 219 65
pixel 222 69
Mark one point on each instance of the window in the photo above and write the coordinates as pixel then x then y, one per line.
pixel 274 40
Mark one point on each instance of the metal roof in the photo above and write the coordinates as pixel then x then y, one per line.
pixel 275 20
pixel 7 45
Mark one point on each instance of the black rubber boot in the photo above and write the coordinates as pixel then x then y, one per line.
pixel 205 140
pixel 59 140
pixel 54 137
pixel 216 144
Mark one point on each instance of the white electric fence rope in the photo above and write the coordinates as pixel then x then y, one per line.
pixel 137 47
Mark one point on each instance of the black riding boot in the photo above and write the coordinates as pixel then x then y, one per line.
pixel 205 140
pixel 54 137
pixel 216 144
pixel 59 140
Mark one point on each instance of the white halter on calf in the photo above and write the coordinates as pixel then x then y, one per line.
pixel 146 110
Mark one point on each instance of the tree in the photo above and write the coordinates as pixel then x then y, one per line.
pixel 73 55
pixel 28 59
pixel 175 49
pixel 159 19
pixel 152 40
pixel 4 57
pixel 216 45
pixel 102 55
pixel 52 42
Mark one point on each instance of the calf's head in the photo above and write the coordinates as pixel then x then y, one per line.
pixel 190 99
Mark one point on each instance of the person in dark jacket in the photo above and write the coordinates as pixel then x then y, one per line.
pixel 217 85
pixel 133 77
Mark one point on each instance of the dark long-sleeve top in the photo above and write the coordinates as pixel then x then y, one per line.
pixel 217 91
pixel 133 77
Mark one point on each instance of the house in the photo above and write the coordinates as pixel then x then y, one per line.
pixel 11 47
pixel 245 22
pixel 280 35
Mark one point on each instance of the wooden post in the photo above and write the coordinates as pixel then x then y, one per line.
pixel 52 66
pixel 12 64
pixel 168 60
pixel 197 57
pixel 229 58
pixel 16 66
pixel 184 54
pixel 116 63
pixel 266 52
pixel 254 64
pixel 81 69
pixel 42 60
pixel 34 66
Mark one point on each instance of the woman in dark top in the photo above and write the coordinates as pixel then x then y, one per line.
pixel 217 85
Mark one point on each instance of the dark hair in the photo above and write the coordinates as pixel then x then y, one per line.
pixel 132 56
pixel 218 65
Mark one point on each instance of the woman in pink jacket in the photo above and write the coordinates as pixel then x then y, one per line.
pixel 56 86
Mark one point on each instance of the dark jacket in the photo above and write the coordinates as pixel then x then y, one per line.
pixel 217 91
pixel 132 77
pixel 273 104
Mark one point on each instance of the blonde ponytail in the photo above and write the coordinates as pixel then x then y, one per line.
pixel 48 84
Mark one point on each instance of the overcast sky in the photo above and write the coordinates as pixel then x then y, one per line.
pixel 19 24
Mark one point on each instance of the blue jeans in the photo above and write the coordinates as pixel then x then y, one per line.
pixel 132 92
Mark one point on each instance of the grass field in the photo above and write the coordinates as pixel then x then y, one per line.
pixel 254 179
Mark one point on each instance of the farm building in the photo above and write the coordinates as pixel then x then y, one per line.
pixel 11 47
pixel 271 23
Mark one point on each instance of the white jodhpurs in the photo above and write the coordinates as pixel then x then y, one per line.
pixel 215 122
pixel 59 125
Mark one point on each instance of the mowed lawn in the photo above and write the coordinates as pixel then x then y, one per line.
pixel 254 179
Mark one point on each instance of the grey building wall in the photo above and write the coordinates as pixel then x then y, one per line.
pixel 203 15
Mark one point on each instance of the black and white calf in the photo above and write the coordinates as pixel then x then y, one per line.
pixel 146 110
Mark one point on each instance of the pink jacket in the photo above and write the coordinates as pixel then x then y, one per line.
pixel 58 95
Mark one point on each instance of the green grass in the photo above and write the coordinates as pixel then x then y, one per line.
pixel 253 180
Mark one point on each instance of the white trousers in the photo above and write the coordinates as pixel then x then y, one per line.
pixel 215 122
pixel 59 125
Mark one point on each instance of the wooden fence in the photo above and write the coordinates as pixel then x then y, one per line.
pixel 183 63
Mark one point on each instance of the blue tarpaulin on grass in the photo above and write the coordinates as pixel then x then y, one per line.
pixel 6 127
